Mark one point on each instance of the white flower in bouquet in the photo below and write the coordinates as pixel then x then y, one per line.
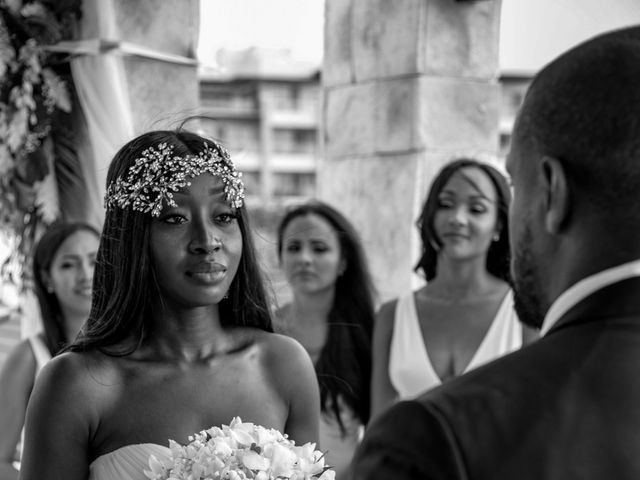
pixel 240 451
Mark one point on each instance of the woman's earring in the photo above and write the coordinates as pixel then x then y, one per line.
pixel 496 236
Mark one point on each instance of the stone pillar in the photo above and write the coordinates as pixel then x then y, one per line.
pixel 161 92
pixel 408 85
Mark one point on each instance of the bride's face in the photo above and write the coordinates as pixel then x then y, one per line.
pixel 196 246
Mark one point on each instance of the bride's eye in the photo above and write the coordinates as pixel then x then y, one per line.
pixel 174 219
pixel 226 218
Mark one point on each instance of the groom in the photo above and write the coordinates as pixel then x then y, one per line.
pixel 567 406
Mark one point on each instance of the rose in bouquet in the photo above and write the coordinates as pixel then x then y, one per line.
pixel 240 451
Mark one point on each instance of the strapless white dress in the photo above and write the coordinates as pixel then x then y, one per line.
pixel 128 462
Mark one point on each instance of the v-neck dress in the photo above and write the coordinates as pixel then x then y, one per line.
pixel 410 369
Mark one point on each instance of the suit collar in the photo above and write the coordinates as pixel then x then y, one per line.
pixel 584 288
pixel 620 299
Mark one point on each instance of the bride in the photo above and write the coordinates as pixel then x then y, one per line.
pixel 179 338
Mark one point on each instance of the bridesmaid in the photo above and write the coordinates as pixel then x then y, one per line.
pixel 331 315
pixel 63 265
pixel 464 316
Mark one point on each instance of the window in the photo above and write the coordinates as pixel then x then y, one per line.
pixel 294 141
pixel 294 184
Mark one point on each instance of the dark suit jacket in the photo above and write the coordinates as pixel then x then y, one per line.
pixel 565 407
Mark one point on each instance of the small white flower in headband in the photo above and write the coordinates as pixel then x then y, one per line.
pixel 155 175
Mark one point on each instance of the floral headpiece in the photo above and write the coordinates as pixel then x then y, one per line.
pixel 157 173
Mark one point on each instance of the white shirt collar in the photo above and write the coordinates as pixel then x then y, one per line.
pixel 586 287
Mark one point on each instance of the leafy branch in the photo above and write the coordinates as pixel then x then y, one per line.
pixel 36 95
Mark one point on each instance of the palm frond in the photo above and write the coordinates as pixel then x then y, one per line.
pixel 47 201
pixel 72 189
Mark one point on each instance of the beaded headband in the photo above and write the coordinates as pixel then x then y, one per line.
pixel 157 173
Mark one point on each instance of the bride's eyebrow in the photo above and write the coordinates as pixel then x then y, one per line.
pixel 217 189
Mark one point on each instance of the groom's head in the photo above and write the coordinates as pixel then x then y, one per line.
pixel 575 168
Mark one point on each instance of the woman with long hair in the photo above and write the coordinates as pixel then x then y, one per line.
pixel 63 264
pixel 331 315
pixel 179 338
pixel 464 315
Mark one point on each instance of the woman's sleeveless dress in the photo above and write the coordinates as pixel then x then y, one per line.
pixel 42 356
pixel 128 462
pixel 340 448
pixel 410 370
pixel 40 352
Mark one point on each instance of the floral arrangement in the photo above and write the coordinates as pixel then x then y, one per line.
pixel 240 451
pixel 35 103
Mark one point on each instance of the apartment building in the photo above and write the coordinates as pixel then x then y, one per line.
pixel 265 107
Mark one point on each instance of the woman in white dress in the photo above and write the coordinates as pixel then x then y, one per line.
pixel 63 265
pixel 331 314
pixel 179 338
pixel 464 316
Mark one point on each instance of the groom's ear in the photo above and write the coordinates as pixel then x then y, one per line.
pixel 557 201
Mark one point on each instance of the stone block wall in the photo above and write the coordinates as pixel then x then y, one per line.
pixel 408 86
pixel 161 93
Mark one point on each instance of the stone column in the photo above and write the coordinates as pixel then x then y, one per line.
pixel 408 85
pixel 161 92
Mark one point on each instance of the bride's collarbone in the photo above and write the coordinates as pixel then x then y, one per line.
pixel 145 377
pixel 167 355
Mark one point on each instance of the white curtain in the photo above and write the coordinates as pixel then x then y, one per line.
pixel 101 85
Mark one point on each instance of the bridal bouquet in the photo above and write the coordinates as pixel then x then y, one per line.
pixel 240 451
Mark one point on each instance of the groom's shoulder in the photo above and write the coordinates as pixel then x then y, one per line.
pixel 540 370
pixel 501 386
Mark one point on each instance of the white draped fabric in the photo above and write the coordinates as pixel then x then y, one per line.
pixel 101 85
pixel 105 104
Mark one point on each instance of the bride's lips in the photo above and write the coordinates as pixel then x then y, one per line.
pixel 207 267
pixel 207 273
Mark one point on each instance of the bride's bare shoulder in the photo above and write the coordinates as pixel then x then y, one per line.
pixel 281 354
pixel 290 369
pixel 73 388
pixel 77 374
pixel 279 344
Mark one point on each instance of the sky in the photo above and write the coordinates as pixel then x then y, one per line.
pixel 296 25
pixel 532 31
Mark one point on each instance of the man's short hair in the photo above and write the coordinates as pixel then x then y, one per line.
pixel 584 110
